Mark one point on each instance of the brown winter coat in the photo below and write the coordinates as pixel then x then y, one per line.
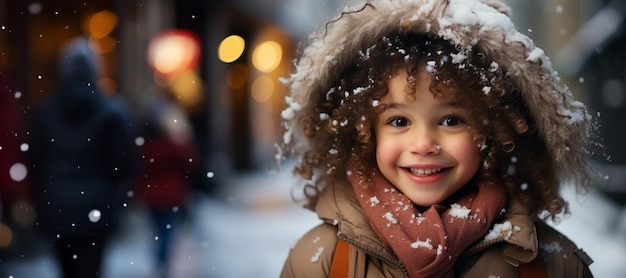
pixel 369 257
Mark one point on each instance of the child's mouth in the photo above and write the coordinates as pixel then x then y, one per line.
pixel 425 172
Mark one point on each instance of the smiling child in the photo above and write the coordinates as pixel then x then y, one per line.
pixel 432 139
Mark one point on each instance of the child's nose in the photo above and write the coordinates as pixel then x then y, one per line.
pixel 424 142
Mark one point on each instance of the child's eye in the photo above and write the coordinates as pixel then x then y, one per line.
pixel 451 121
pixel 399 122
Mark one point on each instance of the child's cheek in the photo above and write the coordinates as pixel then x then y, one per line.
pixel 386 151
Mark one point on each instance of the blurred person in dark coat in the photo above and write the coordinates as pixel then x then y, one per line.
pixel 82 154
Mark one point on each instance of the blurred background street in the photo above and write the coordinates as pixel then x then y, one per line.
pixel 194 88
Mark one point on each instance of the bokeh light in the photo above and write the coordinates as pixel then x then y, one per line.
pixel 6 235
pixel 173 51
pixel 100 24
pixel 262 89
pixel 102 45
pixel 231 48
pixel 267 56
pixel 187 87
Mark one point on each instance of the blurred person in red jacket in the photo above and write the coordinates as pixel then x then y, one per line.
pixel 16 213
pixel 168 161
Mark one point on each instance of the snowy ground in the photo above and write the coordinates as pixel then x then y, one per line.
pixel 248 231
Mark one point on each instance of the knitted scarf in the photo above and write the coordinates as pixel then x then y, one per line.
pixel 428 241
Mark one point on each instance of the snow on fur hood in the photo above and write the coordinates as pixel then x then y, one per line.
pixel 468 24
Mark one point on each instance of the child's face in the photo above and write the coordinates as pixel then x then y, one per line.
pixel 424 146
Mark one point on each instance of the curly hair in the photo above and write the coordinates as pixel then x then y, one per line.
pixel 340 122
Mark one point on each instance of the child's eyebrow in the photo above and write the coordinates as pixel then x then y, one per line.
pixel 442 104
pixel 393 105
pixel 452 104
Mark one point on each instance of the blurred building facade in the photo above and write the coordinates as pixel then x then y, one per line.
pixel 596 55
pixel 234 104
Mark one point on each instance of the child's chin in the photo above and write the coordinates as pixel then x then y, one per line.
pixel 425 202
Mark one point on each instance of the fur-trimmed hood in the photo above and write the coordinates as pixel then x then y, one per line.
pixel 563 122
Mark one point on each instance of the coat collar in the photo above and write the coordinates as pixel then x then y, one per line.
pixel 519 233
pixel 338 205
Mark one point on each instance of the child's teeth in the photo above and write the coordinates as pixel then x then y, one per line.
pixel 424 172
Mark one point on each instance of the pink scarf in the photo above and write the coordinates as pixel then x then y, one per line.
pixel 429 242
